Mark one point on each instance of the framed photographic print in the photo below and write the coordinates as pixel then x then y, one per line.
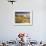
pixel 23 18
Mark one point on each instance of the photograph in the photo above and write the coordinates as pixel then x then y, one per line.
pixel 23 18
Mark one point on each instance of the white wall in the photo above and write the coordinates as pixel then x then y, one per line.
pixel 9 31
